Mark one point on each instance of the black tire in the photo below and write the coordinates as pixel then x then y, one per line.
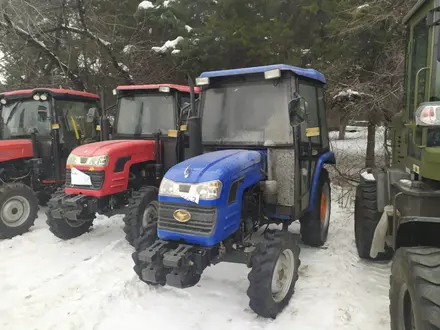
pixel 314 231
pixel 141 228
pixel 61 227
pixel 17 199
pixel 264 260
pixel 415 289
pixel 43 198
pixel 366 219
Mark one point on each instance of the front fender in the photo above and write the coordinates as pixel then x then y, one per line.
pixel 326 158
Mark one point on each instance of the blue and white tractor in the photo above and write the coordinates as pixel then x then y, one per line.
pixel 263 144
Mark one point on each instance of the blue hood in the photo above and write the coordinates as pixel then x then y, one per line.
pixel 217 165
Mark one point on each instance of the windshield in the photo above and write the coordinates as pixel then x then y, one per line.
pixel 146 114
pixel 249 113
pixel 20 117
pixel 78 118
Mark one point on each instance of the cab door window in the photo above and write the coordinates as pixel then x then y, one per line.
pixel 78 118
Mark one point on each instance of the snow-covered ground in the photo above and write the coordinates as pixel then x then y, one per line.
pixel 88 283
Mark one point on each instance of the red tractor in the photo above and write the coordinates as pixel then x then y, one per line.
pixel 114 176
pixel 38 129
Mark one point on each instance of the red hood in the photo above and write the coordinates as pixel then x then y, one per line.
pixel 108 147
pixel 15 149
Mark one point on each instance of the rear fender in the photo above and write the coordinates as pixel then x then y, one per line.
pixel 417 231
pixel 326 158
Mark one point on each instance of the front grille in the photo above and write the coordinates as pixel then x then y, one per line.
pixel 203 219
pixel 97 179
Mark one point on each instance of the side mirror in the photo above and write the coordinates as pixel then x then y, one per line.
pixel 91 115
pixel 297 110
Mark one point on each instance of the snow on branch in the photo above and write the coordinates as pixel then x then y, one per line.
pixel 145 5
pixel 348 94
pixel 170 44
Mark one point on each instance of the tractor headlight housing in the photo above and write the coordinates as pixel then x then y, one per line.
pixel 428 114
pixel 87 161
pixel 209 190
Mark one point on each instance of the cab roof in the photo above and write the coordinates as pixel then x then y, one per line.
pixel 53 91
pixel 308 73
pixel 180 88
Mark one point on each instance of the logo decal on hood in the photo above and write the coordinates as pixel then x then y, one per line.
pixel 187 172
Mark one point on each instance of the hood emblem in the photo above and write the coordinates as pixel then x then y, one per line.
pixel 182 215
pixel 187 172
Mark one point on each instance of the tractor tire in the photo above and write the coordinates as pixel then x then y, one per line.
pixel 415 289
pixel 18 209
pixel 366 218
pixel 140 222
pixel 279 248
pixel 63 228
pixel 43 198
pixel 315 224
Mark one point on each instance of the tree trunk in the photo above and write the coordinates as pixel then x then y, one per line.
pixel 371 144
pixel 342 129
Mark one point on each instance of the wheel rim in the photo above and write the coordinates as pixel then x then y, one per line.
pixel 282 276
pixel 15 211
pixel 325 208
pixel 149 216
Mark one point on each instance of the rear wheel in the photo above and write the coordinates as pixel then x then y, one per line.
pixel 274 273
pixel 415 289
pixel 366 219
pixel 315 224
pixel 18 209
pixel 140 222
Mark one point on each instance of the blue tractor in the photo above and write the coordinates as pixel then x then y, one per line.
pixel 260 141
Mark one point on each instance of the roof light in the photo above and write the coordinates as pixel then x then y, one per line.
pixel 115 92
pixel 428 114
pixel 36 97
pixel 3 101
pixel 43 97
pixel 272 74
pixel 164 89
pixel 202 81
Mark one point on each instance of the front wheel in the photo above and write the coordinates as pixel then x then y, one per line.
pixel 315 224
pixel 64 228
pixel 18 209
pixel 274 273
pixel 415 289
pixel 140 222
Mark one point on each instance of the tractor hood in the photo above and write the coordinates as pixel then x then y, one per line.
pixel 15 149
pixel 219 165
pixel 110 147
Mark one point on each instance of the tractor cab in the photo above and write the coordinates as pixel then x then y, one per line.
pixel 262 149
pixel 150 112
pixel 38 130
pixel 148 137
pixel 47 124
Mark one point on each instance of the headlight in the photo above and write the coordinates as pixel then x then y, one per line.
pixel 89 161
pixel 428 114
pixel 169 188
pixel 71 160
pixel 210 190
